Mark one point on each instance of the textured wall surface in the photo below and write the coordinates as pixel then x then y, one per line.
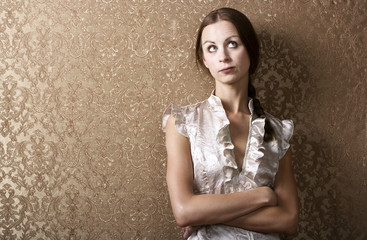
pixel 83 88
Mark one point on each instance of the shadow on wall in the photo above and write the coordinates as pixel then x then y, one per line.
pixel 294 83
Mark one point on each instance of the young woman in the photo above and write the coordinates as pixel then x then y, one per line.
pixel 229 171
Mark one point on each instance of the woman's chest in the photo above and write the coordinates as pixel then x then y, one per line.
pixel 216 170
pixel 239 128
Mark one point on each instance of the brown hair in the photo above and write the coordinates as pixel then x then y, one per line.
pixel 249 38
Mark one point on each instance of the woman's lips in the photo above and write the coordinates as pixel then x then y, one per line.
pixel 226 70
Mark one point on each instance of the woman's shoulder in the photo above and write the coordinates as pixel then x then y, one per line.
pixel 185 109
pixel 276 120
pixel 182 114
pixel 283 132
pixel 283 128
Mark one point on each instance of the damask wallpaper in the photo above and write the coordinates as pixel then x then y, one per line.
pixel 84 85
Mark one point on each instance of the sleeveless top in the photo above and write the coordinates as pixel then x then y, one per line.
pixel 206 126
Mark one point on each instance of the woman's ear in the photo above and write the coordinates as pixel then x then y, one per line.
pixel 203 59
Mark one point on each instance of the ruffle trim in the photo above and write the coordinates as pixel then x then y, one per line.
pixel 254 151
pixel 256 148
pixel 287 132
pixel 180 121
pixel 226 146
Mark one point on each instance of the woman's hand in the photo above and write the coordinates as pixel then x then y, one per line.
pixel 270 195
pixel 189 230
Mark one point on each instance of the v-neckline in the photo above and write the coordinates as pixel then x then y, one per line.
pixel 247 146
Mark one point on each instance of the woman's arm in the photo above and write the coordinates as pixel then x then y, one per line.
pixel 190 209
pixel 282 218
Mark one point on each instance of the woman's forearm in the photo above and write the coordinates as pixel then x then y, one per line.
pixel 216 208
pixel 282 218
pixel 268 220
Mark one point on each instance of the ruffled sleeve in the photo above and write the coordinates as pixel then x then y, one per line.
pixel 286 134
pixel 180 121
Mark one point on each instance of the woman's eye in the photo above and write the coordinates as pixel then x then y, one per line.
pixel 232 44
pixel 212 48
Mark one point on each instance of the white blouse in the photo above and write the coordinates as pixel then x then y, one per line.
pixel 206 126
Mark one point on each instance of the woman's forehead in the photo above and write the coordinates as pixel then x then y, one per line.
pixel 218 31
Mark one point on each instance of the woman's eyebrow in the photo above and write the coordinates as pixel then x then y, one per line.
pixel 232 36
pixel 207 41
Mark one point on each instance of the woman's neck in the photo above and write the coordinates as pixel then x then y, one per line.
pixel 234 99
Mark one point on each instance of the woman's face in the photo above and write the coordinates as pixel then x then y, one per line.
pixel 224 53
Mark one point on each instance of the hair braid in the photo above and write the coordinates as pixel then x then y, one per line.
pixel 269 130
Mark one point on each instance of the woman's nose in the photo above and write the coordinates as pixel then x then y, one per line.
pixel 223 56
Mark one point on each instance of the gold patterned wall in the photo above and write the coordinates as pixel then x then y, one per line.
pixel 83 88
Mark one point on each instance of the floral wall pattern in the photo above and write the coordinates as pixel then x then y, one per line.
pixel 83 85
